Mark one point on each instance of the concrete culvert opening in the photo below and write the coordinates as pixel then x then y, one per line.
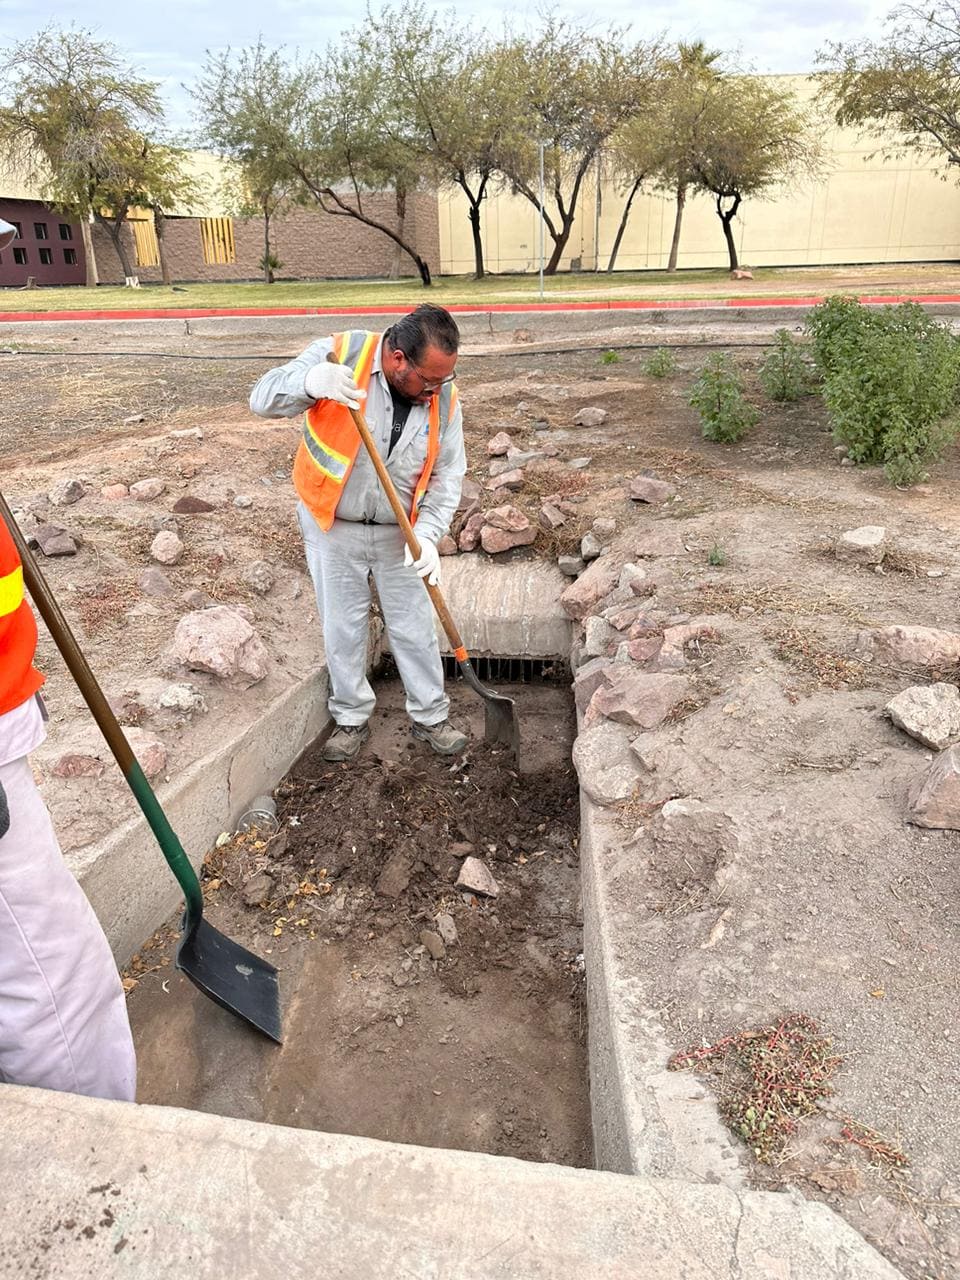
pixel 415 1010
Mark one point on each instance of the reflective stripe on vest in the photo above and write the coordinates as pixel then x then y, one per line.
pixel 331 442
pixel 11 591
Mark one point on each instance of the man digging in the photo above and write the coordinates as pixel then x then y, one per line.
pixel 350 533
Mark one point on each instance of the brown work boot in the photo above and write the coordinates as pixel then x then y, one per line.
pixel 443 737
pixel 344 743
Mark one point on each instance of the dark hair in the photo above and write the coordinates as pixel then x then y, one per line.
pixel 428 326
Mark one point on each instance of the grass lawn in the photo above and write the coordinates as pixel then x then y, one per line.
pixel 450 290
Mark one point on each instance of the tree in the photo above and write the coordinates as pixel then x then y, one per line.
pixel 636 150
pixel 70 108
pixel 750 138
pixel 908 83
pixel 232 124
pixel 576 89
pixel 452 108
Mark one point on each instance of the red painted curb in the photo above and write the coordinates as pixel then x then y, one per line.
pixel 694 304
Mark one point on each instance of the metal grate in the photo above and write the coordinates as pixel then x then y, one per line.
pixel 494 669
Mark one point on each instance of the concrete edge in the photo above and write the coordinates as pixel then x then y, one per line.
pixel 107 1188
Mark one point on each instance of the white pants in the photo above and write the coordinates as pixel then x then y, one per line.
pixel 63 1019
pixel 341 563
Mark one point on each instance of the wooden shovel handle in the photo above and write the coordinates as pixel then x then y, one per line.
pixel 443 613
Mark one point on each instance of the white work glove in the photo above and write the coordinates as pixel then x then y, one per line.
pixel 333 382
pixel 428 566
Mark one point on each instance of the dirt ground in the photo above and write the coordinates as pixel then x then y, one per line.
pixel 481 1048
pixel 835 898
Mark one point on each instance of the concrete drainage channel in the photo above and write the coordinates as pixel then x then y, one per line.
pixel 476 1045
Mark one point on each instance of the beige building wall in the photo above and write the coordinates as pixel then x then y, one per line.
pixel 863 210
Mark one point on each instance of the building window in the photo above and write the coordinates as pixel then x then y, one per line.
pixel 70 257
pixel 20 257
pixel 19 235
pixel 46 257
pixel 145 240
pixel 217 237
pixel 66 231
pixel 40 230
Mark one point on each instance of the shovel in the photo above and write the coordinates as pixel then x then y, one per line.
pixel 223 970
pixel 500 726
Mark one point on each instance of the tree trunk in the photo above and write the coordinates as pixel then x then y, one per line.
pixel 159 226
pixel 675 243
pixel 114 228
pixel 623 223
pixel 559 244
pixel 344 210
pixel 478 271
pixel 726 217
pixel 90 257
pixel 267 267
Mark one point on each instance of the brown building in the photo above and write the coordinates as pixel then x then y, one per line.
pixel 48 246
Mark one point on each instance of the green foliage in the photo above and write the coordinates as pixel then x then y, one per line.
pixel 783 374
pixel 718 397
pixel 717 556
pixel 661 364
pixel 610 357
pixel 891 381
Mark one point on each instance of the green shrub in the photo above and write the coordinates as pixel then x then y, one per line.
pixel 783 374
pixel 660 365
pixel 717 556
pixel 610 357
pixel 717 395
pixel 891 379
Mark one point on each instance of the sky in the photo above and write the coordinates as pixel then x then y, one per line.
pixel 168 39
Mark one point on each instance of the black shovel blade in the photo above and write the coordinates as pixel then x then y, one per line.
pixel 500 722
pixel 233 977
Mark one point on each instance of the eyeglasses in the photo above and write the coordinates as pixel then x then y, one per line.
pixel 429 386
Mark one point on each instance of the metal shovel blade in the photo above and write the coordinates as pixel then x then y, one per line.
pixel 232 977
pixel 500 725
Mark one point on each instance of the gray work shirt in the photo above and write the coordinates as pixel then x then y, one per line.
pixel 280 394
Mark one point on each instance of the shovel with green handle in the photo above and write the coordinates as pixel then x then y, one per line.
pixel 223 970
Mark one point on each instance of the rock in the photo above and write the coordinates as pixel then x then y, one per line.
pixel 469 538
pixel 607 771
pixel 916 646
pixel 188 505
pixel 741 273
pixel 934 799
pixel 477 878
pixel 929 713
pixel 622 616
pixel 589 678
pixel 195 599
pixel 632 577
pixel 394 877
pixel 590 547
pixel 866 545
pixel 659 542
pixel 150 752
pixel 598 637
pixel 522 335
pixel 127 709
pixel 220 640
pixel 590 417
pixel 53 541
pixel 646 489
pixel 259 577
pixel 257 890
pixel 66 492
pixel 114 492
pixel 604 528
pixel 672 656
pixel 433 944
pixel 512 480
pixel 644 649
pixel 154 582
pixel 499 466
pixel 522 457
pixel 579 464
pixel 592 585
pixel 498 445
pixel 636 697
pixel 571 566
pixel 147 490
pixel 242 501
pixel 133 419
pixel 470 492
pixel 447 928
pixel 495 540
pixel 551 517
pixel 446 546
pixel 75 765
pixel 187 433
pixel 180 697
pixel 167 548
pixel 508 518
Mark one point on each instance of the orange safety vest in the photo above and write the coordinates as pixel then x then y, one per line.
pixel 331 442
pixel 19 680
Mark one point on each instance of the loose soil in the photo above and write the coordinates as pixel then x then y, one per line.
pixel 838 909
pixel 481 1048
